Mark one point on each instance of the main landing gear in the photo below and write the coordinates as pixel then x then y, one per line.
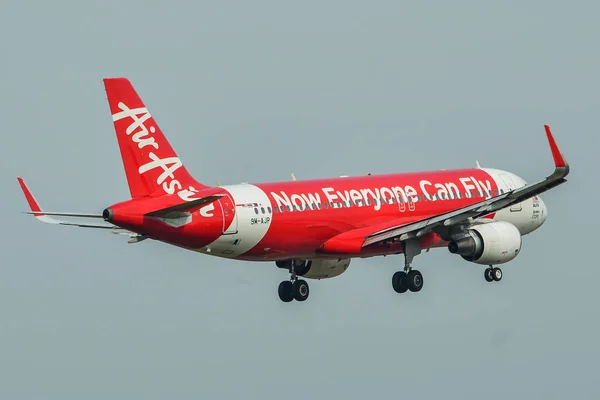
pixel 294 289
pixel 409 279
pixel 493 274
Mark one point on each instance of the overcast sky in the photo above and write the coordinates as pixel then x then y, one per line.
pixel 251 91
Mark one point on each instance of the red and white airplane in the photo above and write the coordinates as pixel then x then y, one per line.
pixel 313 228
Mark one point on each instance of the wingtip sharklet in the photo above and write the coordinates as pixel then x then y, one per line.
pixel 33 204
pixel 559 160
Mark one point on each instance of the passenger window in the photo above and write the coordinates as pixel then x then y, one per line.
pixel 256 210
pixel 262 209
pixel 269 210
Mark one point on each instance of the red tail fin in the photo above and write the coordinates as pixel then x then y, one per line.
pixel 151 165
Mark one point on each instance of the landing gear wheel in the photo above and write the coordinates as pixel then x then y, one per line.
pixel 286 291
pixel 399 282
pixel 300 290
pixel 414 280
pixel 488 275
pixel 408 279
pixel 497 274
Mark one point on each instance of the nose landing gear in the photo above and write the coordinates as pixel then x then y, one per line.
pixel 493 274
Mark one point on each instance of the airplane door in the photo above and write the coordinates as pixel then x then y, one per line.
pixel 230 217
pixel 511 186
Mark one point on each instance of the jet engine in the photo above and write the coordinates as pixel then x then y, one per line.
pixel 317 269
pixel 489 244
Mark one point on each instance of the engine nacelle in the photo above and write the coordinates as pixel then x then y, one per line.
pixel 317 269
pixel 489 244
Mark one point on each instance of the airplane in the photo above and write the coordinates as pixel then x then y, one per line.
pixel 313 228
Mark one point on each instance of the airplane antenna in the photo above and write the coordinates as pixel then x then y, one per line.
pixel 477 162
pixel 293 177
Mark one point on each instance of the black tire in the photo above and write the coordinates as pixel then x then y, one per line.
pixel 399 282
pixel 497 274
pixel 285 291
pixel 414 281
pixel 488 275
pixel 300 290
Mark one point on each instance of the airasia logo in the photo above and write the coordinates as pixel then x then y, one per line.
pixel 142 136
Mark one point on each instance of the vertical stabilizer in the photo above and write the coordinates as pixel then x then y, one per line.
pixel 151 165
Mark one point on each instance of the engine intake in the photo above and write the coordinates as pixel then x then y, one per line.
pixel 489 244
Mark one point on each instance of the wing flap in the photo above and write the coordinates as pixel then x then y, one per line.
pixel 351 242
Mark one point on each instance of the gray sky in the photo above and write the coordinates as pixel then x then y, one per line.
pixel 319 89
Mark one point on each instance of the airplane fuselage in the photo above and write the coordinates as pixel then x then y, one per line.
pixel 284 220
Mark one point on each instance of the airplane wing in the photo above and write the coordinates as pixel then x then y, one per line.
pixel 419 228
pixel 48 217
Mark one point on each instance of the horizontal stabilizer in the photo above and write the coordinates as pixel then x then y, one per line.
pixel 63 214
pixel 47 217
pixel 185 206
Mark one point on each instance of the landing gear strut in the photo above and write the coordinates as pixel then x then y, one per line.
pixel 493 274
pixel 294 289
pixel 409 279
